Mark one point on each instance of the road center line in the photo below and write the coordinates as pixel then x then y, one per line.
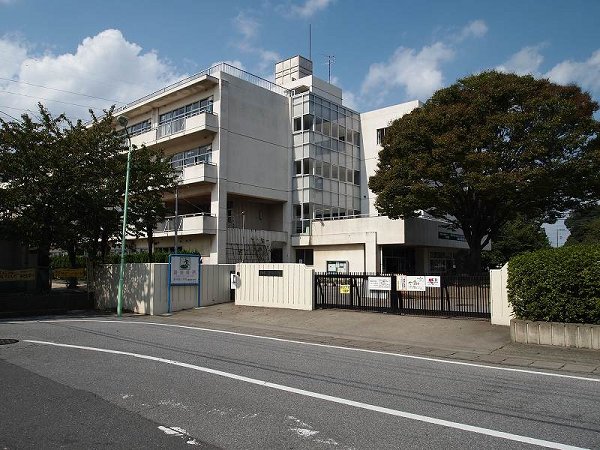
pixel 329 398
pixel 314 344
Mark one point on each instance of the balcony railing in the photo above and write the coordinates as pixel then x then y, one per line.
pixel 199 222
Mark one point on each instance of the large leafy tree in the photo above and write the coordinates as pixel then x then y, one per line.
pixel 489 148
pixel 62 185
pixel 584 225
pixel 515 237
pixel 151 175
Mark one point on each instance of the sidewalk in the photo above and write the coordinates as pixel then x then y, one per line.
pixel 463 339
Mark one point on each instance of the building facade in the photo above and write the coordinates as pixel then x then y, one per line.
pixel 278 172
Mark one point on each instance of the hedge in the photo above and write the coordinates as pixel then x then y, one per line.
pixel 556 285
pixel 115 258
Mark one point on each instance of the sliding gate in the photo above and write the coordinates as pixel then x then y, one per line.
pixel 458 295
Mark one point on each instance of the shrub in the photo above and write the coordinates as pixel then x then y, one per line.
pixel 556 285
pixel 142 257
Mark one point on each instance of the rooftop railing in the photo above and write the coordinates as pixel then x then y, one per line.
pixel 221 67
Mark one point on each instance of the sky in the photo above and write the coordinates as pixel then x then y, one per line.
pixel 73 55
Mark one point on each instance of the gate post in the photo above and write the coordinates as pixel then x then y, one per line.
pixel 394 294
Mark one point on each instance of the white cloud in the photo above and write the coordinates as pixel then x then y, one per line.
pixel 105 65
pixel 474 29
pixel 525 61
pixel 585 73
pixel 13 52
pixel 310 7
pixel 419 73
pixel 248 28
pixel 246 25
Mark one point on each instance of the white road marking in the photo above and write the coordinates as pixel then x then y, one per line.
pixel 329 398
pixel 179 432
pixel 314 344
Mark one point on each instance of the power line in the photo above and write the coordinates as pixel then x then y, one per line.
pixel 8 115
pixel 61 90
pixel 48 99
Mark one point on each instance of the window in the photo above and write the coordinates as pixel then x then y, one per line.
pixel 334 171
pixel 298 167
pixel 199 155
pixel 357 177
pixel 308 122
pixel 381 135
pixel 139 128
pixel 342 133
pixel 305 256
pixel 297 124
pixel 193 109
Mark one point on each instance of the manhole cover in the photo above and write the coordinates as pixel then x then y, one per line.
pixel 8 341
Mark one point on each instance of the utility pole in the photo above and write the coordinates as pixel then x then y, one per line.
pixel 176 218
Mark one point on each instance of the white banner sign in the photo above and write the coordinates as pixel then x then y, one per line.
pixel 432 281
pixel 415 283
pixel 380 284
pixel 185 269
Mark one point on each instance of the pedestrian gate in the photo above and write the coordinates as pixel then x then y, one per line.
pixel 458 295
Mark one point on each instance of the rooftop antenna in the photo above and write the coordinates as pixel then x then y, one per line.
pixel 330 61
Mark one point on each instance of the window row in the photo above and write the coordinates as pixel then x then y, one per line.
pixel 336 113
pixel 317 211
pixel 200 155
pixel 323 169
pixel 139 128
pixel 321 125
pixel 193 109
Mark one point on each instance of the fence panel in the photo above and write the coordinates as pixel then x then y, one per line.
pixel 458 295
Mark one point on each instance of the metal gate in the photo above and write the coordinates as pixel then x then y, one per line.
pixel 458 295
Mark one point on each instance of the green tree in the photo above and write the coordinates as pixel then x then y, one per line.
pixel 62 185
pixel 584 225
pixel 515 237
pixel 489 148
pixel 151 175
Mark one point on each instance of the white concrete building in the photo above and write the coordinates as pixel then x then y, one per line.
pixel 278 172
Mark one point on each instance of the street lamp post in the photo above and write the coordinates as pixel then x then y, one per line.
pixel 122 120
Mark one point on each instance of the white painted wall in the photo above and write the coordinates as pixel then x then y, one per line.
pixel 145 288
pixel 501 310
pixel 294 290
pixel 370 122
pixel 353 253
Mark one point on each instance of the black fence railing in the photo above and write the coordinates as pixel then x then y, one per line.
pixel 457 295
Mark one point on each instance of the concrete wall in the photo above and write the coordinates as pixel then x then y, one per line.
pixel 501 310
pixel 577 335
pixel 353 253
pixel 145 288
pixel 293 290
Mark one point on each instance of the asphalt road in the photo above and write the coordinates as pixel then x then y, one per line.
pixel 134 384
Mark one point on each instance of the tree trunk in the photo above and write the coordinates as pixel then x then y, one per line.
pixel 72 282
pixel 149 236
pixel 42 279
pixel 103 246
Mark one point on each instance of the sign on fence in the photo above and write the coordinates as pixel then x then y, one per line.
pixel 411 283
pixel 184 269
pixel 432 281
pixel 344 288
pixel 69 273
pixel 380 283
pixel 17 275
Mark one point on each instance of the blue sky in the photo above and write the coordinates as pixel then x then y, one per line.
pixel 72 55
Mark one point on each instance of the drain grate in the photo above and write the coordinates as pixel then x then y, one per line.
pixel 8 341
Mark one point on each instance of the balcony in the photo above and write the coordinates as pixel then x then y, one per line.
pixel 199 173
pixel 188 224
pixel 199 126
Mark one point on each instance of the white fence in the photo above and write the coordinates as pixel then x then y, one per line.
pixel 145 288
pixel 275 286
